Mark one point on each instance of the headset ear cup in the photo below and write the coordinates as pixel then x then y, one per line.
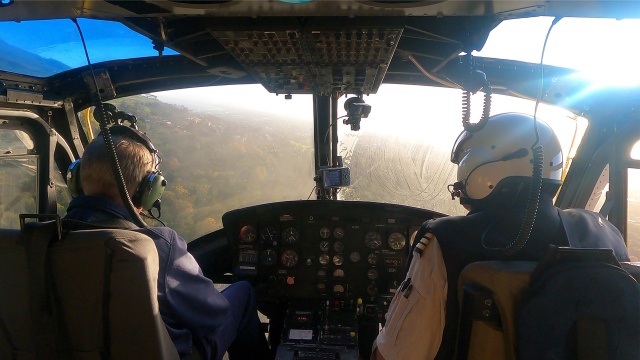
pixel 73 179
pixel 150 190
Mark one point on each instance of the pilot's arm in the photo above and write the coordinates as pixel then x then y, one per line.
pixel 416 316
pixel 189 301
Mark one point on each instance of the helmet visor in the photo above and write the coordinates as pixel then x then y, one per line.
pixel 457 146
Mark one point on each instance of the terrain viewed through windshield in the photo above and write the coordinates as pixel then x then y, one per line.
pixel 229 147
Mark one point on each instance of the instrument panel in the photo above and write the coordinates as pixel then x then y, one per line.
pixel 323 249
pixel 324 272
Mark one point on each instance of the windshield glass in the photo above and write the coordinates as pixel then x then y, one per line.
pixel 228 147
pixel 46 47
pixel 600 49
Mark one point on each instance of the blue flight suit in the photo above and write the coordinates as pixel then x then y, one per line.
pixel 194 312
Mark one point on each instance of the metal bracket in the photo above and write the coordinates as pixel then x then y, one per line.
pixel 39 217
pixel 73 125
pixel 28 97
pixel 102 80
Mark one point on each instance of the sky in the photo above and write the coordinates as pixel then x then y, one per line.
pixel 606 50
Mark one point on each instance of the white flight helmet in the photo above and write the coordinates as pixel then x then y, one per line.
pixel 500 151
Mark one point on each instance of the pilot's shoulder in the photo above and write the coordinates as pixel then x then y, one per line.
pixel 445 223
pixel 584 217
pixel 162 233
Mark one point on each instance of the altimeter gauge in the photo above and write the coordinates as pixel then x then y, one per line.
pixel 396 241
pixel 290 235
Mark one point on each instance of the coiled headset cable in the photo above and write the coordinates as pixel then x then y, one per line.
pixel 104 122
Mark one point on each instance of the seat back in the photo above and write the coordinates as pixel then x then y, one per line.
pixel 489 294
pixel 581 310
pixel 98 301
pixel 577 305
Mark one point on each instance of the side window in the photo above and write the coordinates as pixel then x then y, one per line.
pixel 598 197
pixel 63 197
pixel 18 177
pixel 633 206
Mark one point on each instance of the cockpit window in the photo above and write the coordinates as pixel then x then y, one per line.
pixel 590 46
pixel 229 147
pixel 46 47
pixel 402 153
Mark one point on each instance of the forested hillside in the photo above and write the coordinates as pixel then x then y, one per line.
pixel 216 164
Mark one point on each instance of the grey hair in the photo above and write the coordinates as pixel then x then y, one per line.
pixel 96 176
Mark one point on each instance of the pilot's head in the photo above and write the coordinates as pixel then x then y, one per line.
pixel 495 163
pixel 138 162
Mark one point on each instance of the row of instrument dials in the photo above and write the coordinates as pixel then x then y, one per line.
pixel 315 249
pixel 290 258
pixel 270 234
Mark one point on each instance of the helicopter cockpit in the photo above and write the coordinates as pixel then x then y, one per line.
pixel 304 142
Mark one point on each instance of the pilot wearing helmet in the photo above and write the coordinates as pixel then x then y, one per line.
pixel 497 161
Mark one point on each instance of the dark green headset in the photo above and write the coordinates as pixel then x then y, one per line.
pixel 149 191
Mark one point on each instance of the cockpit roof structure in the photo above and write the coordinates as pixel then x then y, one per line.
pixel 317 47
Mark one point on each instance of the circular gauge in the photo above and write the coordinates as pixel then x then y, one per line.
pixel 338 260
pixel 324 245
pixel 268 258
pixel 322 274
pixel 247 233
pixel 325 232
pixel 321 288
pixel 290 235
pixel 269 234
pixel 338 246
pixel 396 241
pixel 338 273
pixel 372 274
pixel 289 258
pixel 372 259
pixel 372 290
pixel 338 233
pixel 354 256
pixel 373 240
pixel 323 259
pixel 338 289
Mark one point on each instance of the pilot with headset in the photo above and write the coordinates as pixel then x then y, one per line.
pixel 195 313
pixel 494 173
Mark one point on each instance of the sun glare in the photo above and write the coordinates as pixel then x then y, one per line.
pixel 603 51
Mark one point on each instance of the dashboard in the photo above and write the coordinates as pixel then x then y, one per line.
pixel 330 267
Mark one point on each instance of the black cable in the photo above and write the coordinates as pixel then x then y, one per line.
pixel 535 187
pixel 311 193
pixel 480 77
pixel 533 200
pixel 156 218
pixel 108 141
pixel 466 108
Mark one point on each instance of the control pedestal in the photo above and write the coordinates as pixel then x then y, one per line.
pixel 320 329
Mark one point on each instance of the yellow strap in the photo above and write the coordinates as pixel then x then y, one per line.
pixel 87 123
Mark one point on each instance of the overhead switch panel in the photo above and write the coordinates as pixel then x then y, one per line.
pixel 314 61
